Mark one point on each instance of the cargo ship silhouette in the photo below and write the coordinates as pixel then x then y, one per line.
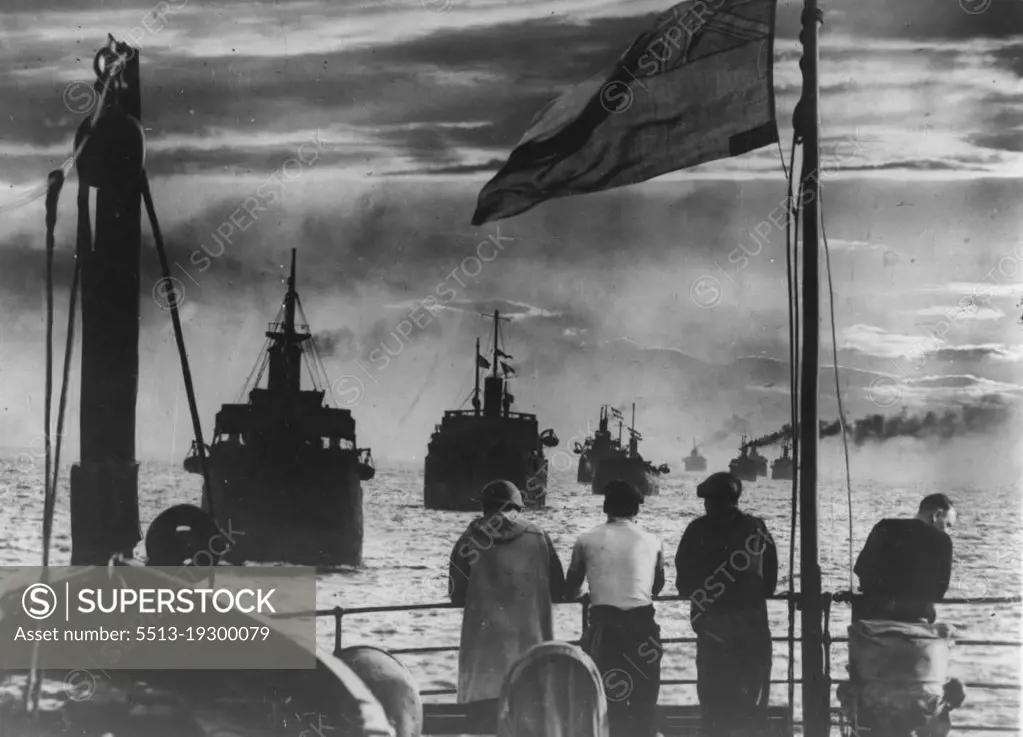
pixel 283 467
pixel 694 461
pixel 470 448
pixel 782 468
pixel 744 466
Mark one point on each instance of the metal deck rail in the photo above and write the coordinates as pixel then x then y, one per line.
pixel 684 714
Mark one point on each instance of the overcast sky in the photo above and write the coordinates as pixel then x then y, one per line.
pixel 400 110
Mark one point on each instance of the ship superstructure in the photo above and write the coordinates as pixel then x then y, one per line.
pixel 602 444
pixel 783 467
pixel 611 459
pixel 744 466
pixel 759 461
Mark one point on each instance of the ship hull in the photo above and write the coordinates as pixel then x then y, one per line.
pixel 743 471
pixel 585 473
pixel 782 473
pixel 305 509
pixel 695 465
pixel 454 485
pixel 628 469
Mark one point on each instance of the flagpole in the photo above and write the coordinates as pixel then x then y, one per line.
pixel 816 685
pixel 497 328
pixel 476 370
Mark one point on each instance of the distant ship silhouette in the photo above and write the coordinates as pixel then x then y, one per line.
pixel 610 460
pixel 694 461
pixel 471 448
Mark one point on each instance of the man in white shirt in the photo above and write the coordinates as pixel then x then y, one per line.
pixel 624 566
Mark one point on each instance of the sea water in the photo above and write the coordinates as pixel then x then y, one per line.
pixel 407 548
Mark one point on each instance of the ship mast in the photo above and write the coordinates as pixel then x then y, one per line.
pixel 816 692
pixel 497 333
pixel 633 440
pixel 496 399
pixel 289 301
pixel 104 483
pixel 476 371
pixel 286 351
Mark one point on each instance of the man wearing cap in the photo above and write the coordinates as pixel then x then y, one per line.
pixel 727 566
pixel 505 572
pixel 624 566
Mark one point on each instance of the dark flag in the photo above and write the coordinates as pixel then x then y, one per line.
pixel 696 87
pixel 481 362
pixel 506 368
pixel 501 354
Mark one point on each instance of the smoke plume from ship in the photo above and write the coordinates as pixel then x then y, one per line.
pixel 986 415
pixel 989 413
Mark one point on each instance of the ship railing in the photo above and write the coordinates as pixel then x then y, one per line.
pixel 276 327
pixel 472 413
pixel 338 613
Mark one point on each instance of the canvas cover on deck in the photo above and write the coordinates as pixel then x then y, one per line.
pixel 899 671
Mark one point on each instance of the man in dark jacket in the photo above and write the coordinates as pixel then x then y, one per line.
pixel 906 564
pixel 727 566
pixel 904 569
pixel 506 573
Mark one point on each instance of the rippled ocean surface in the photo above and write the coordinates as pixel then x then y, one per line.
pixel 406 551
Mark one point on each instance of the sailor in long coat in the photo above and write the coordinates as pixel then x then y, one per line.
pixel 506 573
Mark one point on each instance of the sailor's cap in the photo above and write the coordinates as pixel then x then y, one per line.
pixel 623 491
pixel 720 485
pixel 501 492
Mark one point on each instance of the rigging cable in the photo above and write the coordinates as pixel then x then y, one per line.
pixel 308 357
pixel 838 388
pixel 317 359
pixel 262 368
pixel 84 239
pixel 794 409
pixel 781 157
pixel 255 366
pixel 147 197
pixel 55 181
pixel 54 185
pixel 312 377
pixel 838 392
pixel 83 242
pixel 264 355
